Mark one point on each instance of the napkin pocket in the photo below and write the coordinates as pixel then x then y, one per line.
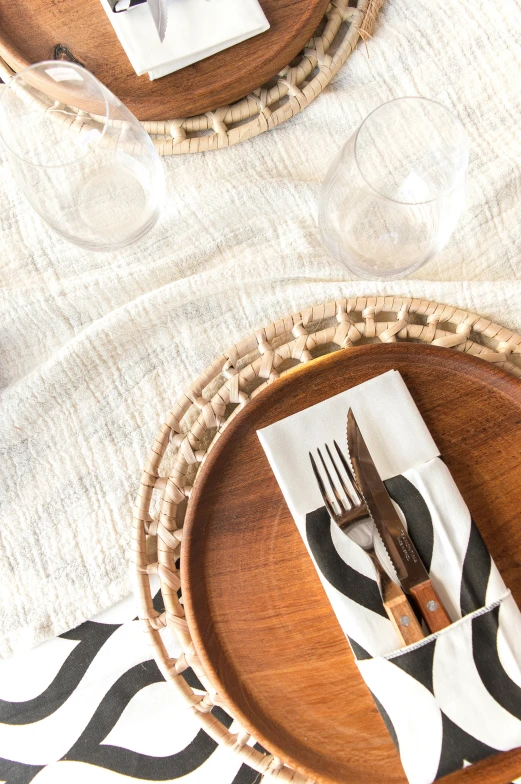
pixel 455 697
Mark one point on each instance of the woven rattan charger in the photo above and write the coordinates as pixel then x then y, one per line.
pixel 200 416
pixel 266 107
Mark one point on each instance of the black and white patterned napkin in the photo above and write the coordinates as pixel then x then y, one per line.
pixel 455 697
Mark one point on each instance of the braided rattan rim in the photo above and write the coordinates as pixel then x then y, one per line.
pixel 268 106
pixel 200 416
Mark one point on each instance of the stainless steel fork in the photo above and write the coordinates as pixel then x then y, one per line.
pixel 347 509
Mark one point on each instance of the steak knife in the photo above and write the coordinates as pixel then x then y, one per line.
pixel 159 11
pixel 410 570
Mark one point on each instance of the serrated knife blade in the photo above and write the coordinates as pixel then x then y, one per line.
pixel 410 570
pixel 159 11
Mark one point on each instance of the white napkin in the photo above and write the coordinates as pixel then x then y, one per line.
pixel 455 697
pixel 393 429
pixel 196 29
pixel 397 439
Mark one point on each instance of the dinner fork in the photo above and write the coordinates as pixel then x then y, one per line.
pixel 348 510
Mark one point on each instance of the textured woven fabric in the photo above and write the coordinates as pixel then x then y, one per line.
pixel 94 348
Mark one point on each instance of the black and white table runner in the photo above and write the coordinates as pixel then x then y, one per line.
pixel 91 707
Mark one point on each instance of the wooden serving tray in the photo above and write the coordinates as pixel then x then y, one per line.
pixel 261 622
pixel 30 33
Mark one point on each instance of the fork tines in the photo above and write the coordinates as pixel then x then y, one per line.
pixel 350 498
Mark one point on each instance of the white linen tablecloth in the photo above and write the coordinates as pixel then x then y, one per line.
pixel 94 348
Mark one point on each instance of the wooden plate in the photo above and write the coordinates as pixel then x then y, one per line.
pixel 261 622
pixel 30 34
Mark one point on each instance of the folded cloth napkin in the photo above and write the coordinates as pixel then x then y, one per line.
pixel 196 29
pixel 455 697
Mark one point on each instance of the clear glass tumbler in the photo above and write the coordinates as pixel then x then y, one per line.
pixel 394 193
pixel 83 161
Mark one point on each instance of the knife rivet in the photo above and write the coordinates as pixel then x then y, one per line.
pixel 405 620
pixel 432 606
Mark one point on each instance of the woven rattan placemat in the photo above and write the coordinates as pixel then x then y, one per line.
pixel 199 417
pixel 294 88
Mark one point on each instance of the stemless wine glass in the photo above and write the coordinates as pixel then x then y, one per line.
pixel 395 191
pixel 82 159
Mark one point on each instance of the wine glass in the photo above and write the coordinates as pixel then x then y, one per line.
pixel 393 195
pixel 82 159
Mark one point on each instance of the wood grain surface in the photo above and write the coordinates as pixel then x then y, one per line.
pixel 30 33
pixel 261 621
pixel 436 619
pixel 398 610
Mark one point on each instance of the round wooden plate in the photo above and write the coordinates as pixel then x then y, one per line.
pixel 29 35
pixel 261 622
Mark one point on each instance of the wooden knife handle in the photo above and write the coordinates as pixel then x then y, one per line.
pixel 429 603
pixel 401 614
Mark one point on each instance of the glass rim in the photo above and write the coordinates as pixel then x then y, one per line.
pixel 422 99
pixel 51 63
